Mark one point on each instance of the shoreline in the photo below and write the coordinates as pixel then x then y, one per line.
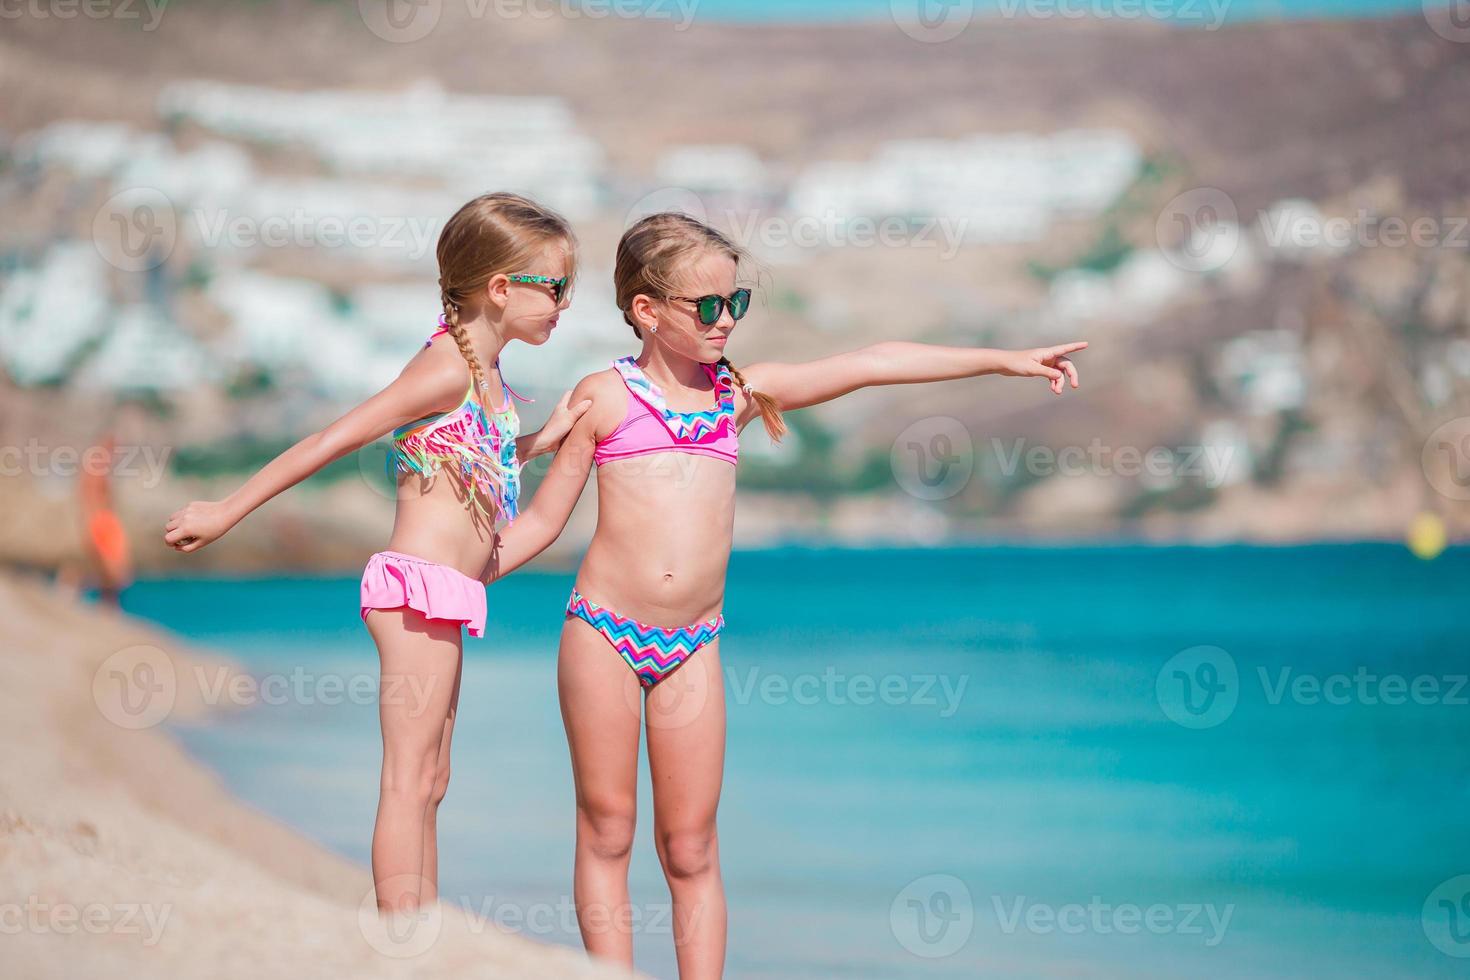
pixel 566 562
pixel 121 855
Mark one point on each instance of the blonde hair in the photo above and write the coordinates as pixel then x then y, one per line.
pixel 493 234
pixel 651 254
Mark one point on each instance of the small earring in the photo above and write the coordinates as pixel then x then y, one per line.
pixel 653 329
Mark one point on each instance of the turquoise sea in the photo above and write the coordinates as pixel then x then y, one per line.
pixel 1087 762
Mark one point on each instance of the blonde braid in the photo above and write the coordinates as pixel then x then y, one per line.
pixel 461 338
pixel 770 411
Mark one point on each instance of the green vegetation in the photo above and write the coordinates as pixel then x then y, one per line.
pixel 813 472
pixel 250 382
pixel 342 304
pixel 1181 499
pixel 788 300
pixel 1005 487
pixel 1270 469
pixel 1111 247
pixel 1103 255
pixel 197 276
pixel 154 403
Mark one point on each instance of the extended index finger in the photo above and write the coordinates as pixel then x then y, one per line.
pixel 1061 349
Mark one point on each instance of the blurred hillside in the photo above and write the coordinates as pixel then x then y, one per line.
pixel 219 234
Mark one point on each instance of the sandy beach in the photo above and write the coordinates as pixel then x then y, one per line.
pixel 121 856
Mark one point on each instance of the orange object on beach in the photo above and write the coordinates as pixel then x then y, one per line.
pixel 108 537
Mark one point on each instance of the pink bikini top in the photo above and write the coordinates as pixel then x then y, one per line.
pixel 650 427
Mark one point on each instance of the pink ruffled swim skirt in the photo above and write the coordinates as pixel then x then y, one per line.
pixel 393 581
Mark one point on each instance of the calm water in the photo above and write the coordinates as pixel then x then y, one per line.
pixel 981 774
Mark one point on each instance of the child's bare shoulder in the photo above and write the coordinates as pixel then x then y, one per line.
pixel 609 400
pixel 599 386
pixel 439 372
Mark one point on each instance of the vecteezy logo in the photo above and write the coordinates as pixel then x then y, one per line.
pixel 135 688
pixel 1198 230
pixel 402 934
pixel 1446 917
pixel 1450 19
pixel 400 21
pixel 934 458
pixel 1198 687
pixel 932 21
pixel 136 229
pixel 1446 458
pixel 680 698
pixel 375 465
pixel 933 916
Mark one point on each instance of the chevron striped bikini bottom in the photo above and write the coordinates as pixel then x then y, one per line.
pixel 653 652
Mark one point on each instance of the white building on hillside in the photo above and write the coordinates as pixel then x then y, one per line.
pixel 717 169
pixel 144 350
pixel 470 143
pixel 50 315
pixel 129 158
pixel 994 188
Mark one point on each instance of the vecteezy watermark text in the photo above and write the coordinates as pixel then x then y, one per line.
pixel 35 458
pixel 833 230
pixel 1211 464
pixel 33 915
pixel 149 11
pixel 406 21
pixel 934 916
pixel 939 691
pixel 1201 687
pixel 411 236
pixel 138 686
pixel 1101 918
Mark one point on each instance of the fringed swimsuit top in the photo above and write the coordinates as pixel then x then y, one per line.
pixel 651 427
pixel 479 447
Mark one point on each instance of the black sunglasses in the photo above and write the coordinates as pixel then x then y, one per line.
pixel 711 308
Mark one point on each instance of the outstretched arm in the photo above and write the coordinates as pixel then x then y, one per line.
pixel 420 390
pixel 546 516
pixel 900 362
